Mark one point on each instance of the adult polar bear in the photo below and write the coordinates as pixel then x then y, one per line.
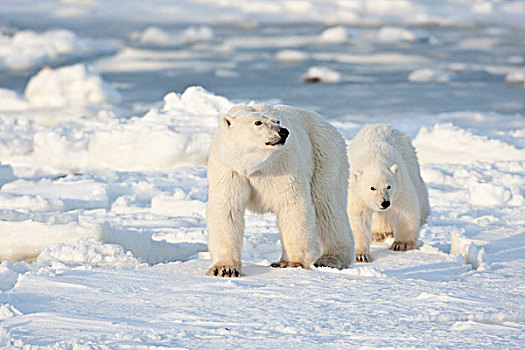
pixel 284 160
pixel 387 194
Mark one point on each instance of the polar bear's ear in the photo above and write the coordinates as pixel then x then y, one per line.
pixel 394 168
pixel 226 121
pixel 356 174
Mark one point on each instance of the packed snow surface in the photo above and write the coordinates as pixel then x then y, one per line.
pixel 107 113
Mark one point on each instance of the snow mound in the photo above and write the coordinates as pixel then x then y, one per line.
pixel 489 195
pixel 446 143
pixel 157 36
pixel 322 74
pixel 28 49
pixel 179 134
pixel 152 35
pixel 63 148
pixel 76 85
pixel 87 252
pixel 395 35
pixel 516 78
pixel 24 240
pixel 334 35
pixel 196 100
pixel 424 75
pixel 175 135
pixel 291 56
pixel 11 101
pixel 197 34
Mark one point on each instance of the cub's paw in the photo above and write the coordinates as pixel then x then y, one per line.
pixel 381 236
pixel 363 257
pixel 330 261
pixel 402 246
pixel 284 264
pixel 224 271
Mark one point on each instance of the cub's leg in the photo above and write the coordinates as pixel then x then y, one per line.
pixel 406 223
pixel 360 220
pixel 380 228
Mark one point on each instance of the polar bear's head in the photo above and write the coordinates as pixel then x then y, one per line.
pixel 377 186
pixel 249 137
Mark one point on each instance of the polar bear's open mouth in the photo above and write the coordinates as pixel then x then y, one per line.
pixel 278 142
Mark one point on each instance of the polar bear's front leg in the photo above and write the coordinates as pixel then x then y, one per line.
pixel 296 222
pixel 360 221
pixel 225 219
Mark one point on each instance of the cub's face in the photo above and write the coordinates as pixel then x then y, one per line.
pixel 248 139
pixel 376 186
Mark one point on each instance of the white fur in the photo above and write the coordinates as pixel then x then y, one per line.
pixel 303 182
pixel 381 156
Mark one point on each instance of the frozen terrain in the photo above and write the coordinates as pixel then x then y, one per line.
pixel 106 116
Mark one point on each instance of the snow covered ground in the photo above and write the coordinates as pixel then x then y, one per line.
pixel 106 115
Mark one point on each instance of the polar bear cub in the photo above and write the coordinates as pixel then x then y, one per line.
pixel 387 195
pixel 283 160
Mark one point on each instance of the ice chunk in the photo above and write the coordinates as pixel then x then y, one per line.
pixel 291 56
pixel 24 240
pixel 516 78
pixel 88 252
pixel 334 35
pixel 178 134
pixel 11 101
pixel 76 85
pixel 423 75
pixel 322 74
pixel 395 34
pixel 446 143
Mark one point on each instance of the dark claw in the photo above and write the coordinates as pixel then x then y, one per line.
pixel 363 258
pixel 215 272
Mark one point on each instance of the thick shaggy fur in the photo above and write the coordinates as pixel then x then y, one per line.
pixel 384 168
pixel 302 181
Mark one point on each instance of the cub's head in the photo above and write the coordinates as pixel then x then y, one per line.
pixel 376 186
pixel 249 137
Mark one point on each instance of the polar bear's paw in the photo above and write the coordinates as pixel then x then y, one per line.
pixel 224 271
pixel 330 261
pixel 402 246
pixel 381 236
pixel 284 264
pixel 363 257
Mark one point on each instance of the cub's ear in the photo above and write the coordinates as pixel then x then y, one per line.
pixel 394 168
pixel 226 121
pixel 356 174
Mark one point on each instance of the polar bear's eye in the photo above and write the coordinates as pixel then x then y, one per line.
pixel 372 188
pixel 258 123
pixel 388 187
pixel 277 122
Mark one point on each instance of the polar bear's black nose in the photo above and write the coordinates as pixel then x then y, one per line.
pixel 385 204
pixel 283 132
